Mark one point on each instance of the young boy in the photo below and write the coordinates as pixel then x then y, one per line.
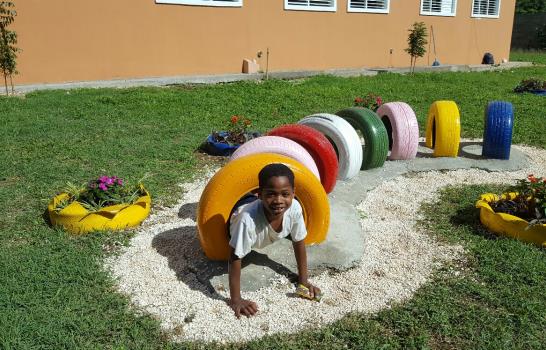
pixel 271 216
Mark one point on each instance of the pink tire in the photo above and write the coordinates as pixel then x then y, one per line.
pixel 277 145
pixel 401 124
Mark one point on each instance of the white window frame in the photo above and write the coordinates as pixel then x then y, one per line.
pixel 485 16
pixel 308 7
pixel 442 14
pixel 217 3
pixel 353 9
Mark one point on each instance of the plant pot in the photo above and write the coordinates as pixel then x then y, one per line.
pixel 509 225
pixel 76 219
pixel 538 92
pixel 218 148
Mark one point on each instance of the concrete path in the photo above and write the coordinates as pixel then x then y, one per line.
pixel 226 78
pixel 344 245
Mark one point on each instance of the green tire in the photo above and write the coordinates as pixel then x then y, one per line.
pixel 376 140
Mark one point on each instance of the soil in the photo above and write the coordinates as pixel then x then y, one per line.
pixel 517 207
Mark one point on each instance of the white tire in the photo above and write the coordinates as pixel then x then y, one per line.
pixel 345 141
pixel 277 145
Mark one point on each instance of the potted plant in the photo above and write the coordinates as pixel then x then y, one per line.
pixel 534 86
pixel 106 203
pixel 224 143
pixel 519 213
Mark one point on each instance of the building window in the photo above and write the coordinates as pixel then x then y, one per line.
pixel 225 3
pixel 486 8
pixel 438 7
pixel 310 5
pixel 375 6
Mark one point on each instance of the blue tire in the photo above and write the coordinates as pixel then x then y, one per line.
pixel 497 134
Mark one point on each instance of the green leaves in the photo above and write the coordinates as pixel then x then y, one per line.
pixel 8 39
pixel 417 39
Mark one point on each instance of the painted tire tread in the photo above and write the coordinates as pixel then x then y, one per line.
pixel 318 147
pixel 376 140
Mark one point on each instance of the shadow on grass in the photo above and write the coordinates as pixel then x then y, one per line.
pixel 469 217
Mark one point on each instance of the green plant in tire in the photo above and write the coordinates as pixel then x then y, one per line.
pixel 101 192
pixel 417 41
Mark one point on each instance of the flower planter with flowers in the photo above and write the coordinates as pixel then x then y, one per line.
pixel 519 213
pixel 104 204
pixel 534 86
pixel 370 101
pixel 224 143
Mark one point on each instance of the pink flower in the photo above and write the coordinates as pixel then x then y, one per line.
pixel 103 178
pixel 109 181
pixel 103 187
pixel 120 182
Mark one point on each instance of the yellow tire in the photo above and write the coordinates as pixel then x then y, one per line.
pixel 239 177
pixel 444 129
pixel 509 225
pixel 76 219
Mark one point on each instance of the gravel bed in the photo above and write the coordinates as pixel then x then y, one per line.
pixel 397 260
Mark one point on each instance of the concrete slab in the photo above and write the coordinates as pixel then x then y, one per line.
pixel 226 78
pixel 344 246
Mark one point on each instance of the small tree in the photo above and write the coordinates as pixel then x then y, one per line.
pixel 417 40
pixel 8 40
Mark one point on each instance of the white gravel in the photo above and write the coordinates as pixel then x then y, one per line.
pixel 397 260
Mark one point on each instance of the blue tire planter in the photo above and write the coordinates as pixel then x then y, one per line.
pixel 218 148
pixel 497 136
pixel 538 92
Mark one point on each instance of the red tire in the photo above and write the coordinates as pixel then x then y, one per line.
pixel 319 148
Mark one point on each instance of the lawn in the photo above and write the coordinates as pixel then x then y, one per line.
pixel 537 57
pixel 55 294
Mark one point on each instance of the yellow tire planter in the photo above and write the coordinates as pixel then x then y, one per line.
pixel 509 225
pixel 76 219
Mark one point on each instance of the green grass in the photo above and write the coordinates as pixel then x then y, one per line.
pixel 537 57
pixel 54 293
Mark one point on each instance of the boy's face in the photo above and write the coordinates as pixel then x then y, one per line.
pixel 277 196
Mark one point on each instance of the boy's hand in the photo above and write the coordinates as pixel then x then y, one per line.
pixel 313 292
pixel 243 307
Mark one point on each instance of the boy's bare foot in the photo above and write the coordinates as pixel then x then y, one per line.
pixel 243 307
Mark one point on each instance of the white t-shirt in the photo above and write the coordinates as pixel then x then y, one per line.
pixel 249 227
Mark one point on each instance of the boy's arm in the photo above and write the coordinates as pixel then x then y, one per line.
pixel 240 306
pixel 301 259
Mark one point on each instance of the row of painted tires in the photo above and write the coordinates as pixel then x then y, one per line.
pixel 394 127
pixel 308 149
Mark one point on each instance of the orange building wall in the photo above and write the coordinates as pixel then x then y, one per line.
pixel 67 40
